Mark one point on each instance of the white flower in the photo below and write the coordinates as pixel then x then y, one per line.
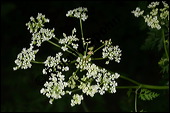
pixel 153 22
pixel 39 34
pixel 24 58
pixel 76 99
pixel 65 68
pixel 138 12
pixel 153 4
pixel 156 18
pixel 54 89
pixel 78 13
pixel 69 40
pixel 111 52
pixel 94 79
pixel 64 48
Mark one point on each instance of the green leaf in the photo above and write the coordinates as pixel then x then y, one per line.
pixel 154 40
pixel 164 64
pixel 146 94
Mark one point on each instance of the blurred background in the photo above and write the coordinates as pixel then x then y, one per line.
pixel 20 90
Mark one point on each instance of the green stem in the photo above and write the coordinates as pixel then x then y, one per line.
pixel 56 38
pixel 73 50
pixel 99 48
pixel 75 90
pixel 97 58
pixel 60 47
pixel 144 86
pixel 128 79
pixel 36 62
pixel 68 46
pixel 86 49
pixel 54 44
pixel 165 48
pixel 136 92
pixel 82 32
pixel 153 86
pixel 73 61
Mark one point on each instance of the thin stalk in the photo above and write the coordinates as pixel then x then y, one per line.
pixel 136 92
pixel 128 79
pixel 36 62
pixel 69 47
pixel 165 48
pixel 86 49
pixel 60 47
pixel 73 61
pixel 138 84
pixel 144 86
pixel 56 38
pixel 97 58
pixel 82 32
pixel 54 44
pixel 98 48
pixel 73 49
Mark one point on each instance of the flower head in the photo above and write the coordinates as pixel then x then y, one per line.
pixel 76 99
pixel 78 13
pixel 138 12
pixel 24 58
pixel 157 16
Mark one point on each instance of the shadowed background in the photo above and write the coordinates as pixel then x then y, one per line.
pixel 20 90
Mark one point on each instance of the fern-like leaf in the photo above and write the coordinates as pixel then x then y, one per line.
pixel 146 94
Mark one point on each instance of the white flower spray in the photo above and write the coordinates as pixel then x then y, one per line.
pixel 94 79
pixel 157 16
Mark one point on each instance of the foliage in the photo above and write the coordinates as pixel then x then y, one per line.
pixel 146 94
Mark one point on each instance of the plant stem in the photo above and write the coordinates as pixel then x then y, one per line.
pixel 54 44
pixel 137 83
pixel 68 46
pixel 136 92
pixel 98 48
pixel 165 48
pixel 56 38
pixel 97 58
pixel 60 47
pixel 82 32
pixel 144 86
pixel 130 80
pixel 36 62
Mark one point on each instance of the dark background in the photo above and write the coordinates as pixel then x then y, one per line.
pixel 20 90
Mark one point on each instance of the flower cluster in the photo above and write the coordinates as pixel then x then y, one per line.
pixel 76 99
pixel 39 34
pixel 156 17
pixel 54 89
pixel 111 52
pixel 138 12
pixel 33 26
pixel 24 58
pixel 53 63
pixel 69 40
pixel 101 78
pixel 78 13
pixel 87 78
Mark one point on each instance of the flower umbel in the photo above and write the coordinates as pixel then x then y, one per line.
pixel 156 17
pixel 78 13
pixel 24 59
pixel 86 77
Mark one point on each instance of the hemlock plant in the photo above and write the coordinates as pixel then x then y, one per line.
pixel 85 77
pixel 94 79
